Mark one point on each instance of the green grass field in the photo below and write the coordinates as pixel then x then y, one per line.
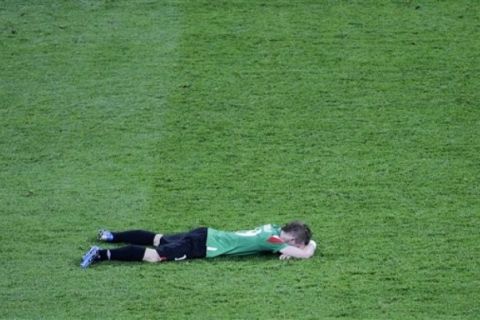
pixel 359 117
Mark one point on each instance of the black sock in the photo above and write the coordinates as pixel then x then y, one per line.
pixel 140 237
pixel 102 255
pixel 128 253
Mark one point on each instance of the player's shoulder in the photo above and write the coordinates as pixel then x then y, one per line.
pixel 272 234
pixel 270 227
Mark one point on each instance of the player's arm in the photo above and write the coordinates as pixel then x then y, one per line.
pixel 300 253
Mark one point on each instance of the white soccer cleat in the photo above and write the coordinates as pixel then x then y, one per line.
pixel 89 257
pixel 105 235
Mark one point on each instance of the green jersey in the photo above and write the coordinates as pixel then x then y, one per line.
pixel 264 238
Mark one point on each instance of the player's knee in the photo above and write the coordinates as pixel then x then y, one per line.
pixel 151 255
pixel 156 240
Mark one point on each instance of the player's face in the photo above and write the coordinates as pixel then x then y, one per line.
pixel 290 240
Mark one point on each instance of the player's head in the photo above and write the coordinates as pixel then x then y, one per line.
pixel 299 232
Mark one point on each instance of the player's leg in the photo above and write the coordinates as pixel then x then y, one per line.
pixel 127 253
pixel 134 253
pixel 130 253
pixel 137 237
pixel 151 255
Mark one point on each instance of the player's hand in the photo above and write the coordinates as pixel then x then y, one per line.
pixel 284 257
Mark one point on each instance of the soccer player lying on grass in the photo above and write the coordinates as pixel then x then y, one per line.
pixel 291 241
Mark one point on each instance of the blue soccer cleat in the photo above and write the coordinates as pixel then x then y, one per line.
pixel 105 235
pixel 89 257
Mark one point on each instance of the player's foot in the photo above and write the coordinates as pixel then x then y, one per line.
pixel 89 257
pixel 105 235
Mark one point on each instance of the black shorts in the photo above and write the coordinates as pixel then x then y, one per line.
pixel 181 246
